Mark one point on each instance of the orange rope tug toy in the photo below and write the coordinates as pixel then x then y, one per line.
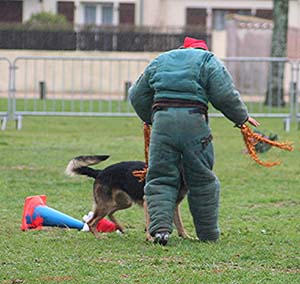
pixel 141 174
pixel 251 138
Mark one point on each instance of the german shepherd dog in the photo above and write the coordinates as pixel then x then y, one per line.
pixel 116 188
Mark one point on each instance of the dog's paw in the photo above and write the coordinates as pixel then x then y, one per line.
pixel 185 236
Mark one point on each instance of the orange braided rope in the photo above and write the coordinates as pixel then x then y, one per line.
pixel 141 174
pixel 251 138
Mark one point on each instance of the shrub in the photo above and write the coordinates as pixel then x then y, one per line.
pixel 48 21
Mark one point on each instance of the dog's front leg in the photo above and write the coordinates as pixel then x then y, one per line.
pixel 93 230
pixel 118 225
pixel 97 216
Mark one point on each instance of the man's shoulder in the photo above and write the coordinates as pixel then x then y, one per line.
pixel 183 55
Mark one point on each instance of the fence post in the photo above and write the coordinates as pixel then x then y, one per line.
pixel 127 86
pixel 12 91
pixel 297 94
pixel 5 115
pixel 3 123
pixel 42 85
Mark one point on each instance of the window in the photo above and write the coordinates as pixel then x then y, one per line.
pixel 266 14
pixel 126 13
pixel 11 11
pixel 67 9
pixel 196 17
pixel 219 19
pixel 107 15
pixel 90 14
pixel 219 16
pixel 104 14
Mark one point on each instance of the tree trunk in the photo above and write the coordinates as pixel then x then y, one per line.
pixel 275 91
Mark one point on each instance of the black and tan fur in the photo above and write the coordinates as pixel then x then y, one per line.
pixel 115 188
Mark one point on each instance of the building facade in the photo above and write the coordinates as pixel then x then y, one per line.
pixel 202 14
pixel 77 12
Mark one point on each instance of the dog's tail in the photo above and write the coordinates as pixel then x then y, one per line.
pixel 79 165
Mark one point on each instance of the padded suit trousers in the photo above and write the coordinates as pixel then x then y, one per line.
pixel 177 144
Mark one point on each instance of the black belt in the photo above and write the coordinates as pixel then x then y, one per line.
pixel 165 104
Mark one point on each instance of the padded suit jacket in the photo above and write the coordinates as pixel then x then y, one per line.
pixel 192 74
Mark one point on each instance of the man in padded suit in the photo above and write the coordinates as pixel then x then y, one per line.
pixel 172 94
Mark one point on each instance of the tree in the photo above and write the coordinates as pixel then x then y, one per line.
pixel 275 92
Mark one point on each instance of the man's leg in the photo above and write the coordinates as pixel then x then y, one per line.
pixel 163 177
pixel 204 190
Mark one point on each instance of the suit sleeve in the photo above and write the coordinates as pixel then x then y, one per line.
pixel 222 92
pixel 141 97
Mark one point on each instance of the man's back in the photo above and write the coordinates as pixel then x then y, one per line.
pixel 176 74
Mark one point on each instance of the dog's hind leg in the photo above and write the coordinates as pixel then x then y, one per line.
pixel 179 224
pixel 147 221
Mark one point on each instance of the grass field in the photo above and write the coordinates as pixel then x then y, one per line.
pixel 95 105
pixel 259 213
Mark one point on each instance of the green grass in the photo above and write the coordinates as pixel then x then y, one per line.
pixel 86 105
pixel 106 106
pixel 259 213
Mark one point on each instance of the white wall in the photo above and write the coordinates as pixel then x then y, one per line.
pixel 172 12
pixel 166 13
pixel 294 14
pixel 154 13
pixel 35 6
pixel 219 43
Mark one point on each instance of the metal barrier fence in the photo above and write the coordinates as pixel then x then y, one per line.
pixel 5 96
pixel 296 90
pixel 74 86
pixel 265 85
pixel 97 86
